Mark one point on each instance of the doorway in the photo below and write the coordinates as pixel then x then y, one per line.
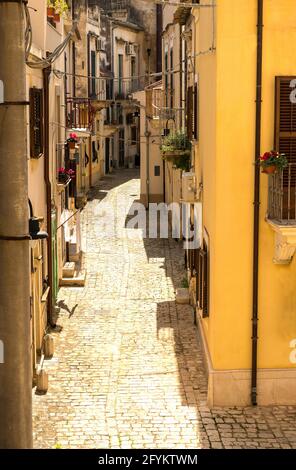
pixel 121 148
pixel 107 156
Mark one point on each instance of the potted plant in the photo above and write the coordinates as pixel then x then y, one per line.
pixel 72 140
pixel 56 17
pixel 60 7
pixel 50 9
pixel 272 161
pixel 177 148
pixel 71 173
pixel 63 176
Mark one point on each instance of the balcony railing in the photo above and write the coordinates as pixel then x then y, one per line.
pixel 80 114
pixel 124 88
pixel 282 196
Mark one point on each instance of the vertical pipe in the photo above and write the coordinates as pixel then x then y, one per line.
pixel 260 10
pixel 15 315
pixel 46 74
pixel 147 134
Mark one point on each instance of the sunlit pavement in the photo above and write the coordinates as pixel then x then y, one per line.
pixel 127 370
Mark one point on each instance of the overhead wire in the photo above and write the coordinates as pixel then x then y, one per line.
pixel 51 58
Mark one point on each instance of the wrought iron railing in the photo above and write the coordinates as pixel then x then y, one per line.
pixel 282 196
pixel 80 114
pixel 124 88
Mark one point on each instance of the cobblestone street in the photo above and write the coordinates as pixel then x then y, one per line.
pixel 127 370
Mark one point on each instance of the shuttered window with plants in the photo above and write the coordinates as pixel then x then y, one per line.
pixel 203 276
pixel 36 122
pixel 282 187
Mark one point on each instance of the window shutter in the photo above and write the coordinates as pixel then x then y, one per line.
pixel 189 112
pixel 195 112
pixel 36 122
pixel 285 119
pixel 202 284
pixel 285 142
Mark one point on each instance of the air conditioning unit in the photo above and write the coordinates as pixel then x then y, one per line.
pixel 188 187
pixel 130 49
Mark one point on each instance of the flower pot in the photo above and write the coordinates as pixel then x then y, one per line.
pixel 269 169
pixel 71 145
pixel 56 18
pixel 50 12
pixel 63 178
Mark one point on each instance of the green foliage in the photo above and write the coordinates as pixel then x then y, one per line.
pixel 182 162
pixel 273 158
pixel 176 141
pixel 60 6
pixel 50 4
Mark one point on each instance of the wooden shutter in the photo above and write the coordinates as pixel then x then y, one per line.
pixel 36 122
pixel 202 283
pixel 195 112
pixel 189 112
pixel 285 141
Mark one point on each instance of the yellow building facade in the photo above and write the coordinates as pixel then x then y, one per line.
pixel 224 164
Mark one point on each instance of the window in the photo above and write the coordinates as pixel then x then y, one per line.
pixel 172 77
pixel 282 185
pixel 93 63
pixel 166 81
pixel 36 122
pixel 134 135
pixel 129 119
pixel 189 113
pixel 203 277
pixel 133 74
pixel 120 74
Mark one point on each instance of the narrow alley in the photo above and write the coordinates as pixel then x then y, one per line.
pixel 127 370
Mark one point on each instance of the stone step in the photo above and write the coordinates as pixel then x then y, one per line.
pixel 182 296
pixel 78 280
pixel 69 269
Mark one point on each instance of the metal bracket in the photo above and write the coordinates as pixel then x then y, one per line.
pixel 15 237
pixel 15 103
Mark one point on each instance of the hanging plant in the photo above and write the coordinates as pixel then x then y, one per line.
pixel 177 148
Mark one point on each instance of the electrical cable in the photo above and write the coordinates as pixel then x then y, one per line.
pixel 43 63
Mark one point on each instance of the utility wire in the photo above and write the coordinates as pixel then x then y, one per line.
pixel 43 63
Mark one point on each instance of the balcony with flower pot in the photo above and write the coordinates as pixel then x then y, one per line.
pixel 281 215
pixel 80 114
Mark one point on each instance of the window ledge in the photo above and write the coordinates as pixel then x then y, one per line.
pixel 285 242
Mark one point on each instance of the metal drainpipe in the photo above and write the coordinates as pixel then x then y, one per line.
pixel 260 11
pixel 46 73
pixel 147 135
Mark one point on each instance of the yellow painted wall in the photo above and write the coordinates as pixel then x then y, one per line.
pixel 226 148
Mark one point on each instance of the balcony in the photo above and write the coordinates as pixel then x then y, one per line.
pixel 182 12
pixel 80 114
pixel 282 213
pixel 124 89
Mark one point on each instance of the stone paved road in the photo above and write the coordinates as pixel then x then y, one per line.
pixel 127 370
